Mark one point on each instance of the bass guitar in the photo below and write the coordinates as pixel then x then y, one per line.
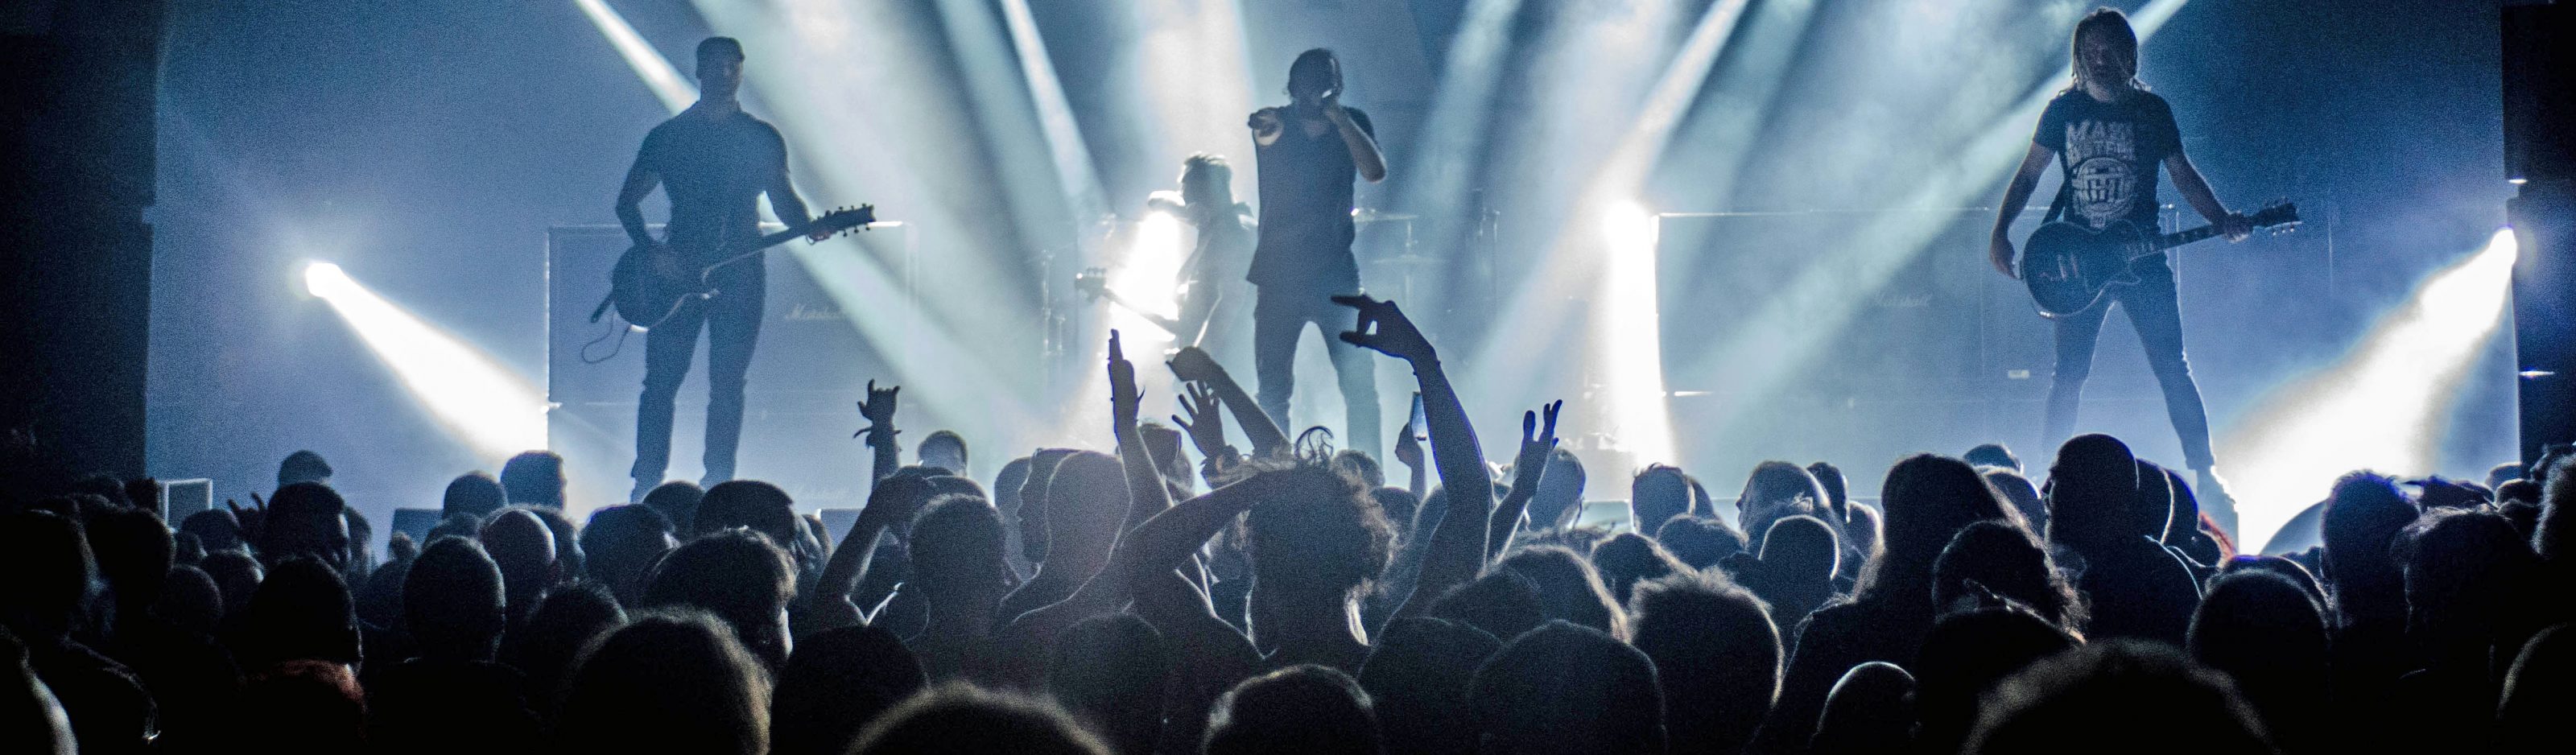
pixel 650 284
pixel 1093 284
pixel 2068 266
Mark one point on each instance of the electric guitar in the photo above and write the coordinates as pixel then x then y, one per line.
pixel 2068 266
pixel 650 284
pixel 1093 283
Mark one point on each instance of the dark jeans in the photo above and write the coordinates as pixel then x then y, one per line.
pixel 732 320
pixel 1278 319
pixel 2155 311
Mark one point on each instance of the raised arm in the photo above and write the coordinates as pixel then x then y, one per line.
pixel 1158 545
pixel 1363 147
pixel 1527 470
pixel 880 432
pixel 890 505
pixel 1145 493
pixel 1193 363
pixel 1457 545
pixel 1999 247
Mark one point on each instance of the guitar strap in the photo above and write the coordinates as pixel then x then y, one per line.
pixel 2057 207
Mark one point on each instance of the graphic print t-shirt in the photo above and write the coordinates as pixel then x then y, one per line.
pixel 714 171
pixel 2109 152
pixel 1306 230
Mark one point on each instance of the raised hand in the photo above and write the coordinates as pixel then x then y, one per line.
pixel 1383 327
pixel 1536 445
pixel 1200 418
pixel 879 408
pixel 1265 123
pixel 1408 449
pixel 249 520
pixel 1124 397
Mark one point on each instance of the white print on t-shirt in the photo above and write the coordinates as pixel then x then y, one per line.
pixel 2103 157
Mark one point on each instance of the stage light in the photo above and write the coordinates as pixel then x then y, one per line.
pixel 1627 339
pixel 493 410
pixel 2384 405
pixel 1144 278
pixel 656 71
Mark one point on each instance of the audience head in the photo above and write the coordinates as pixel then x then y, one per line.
pixel 2092 494
pixel 49 570
pixel 1717 656
pixel 134 554
pixel 472 493
pixel 1313 545
pixel 667 682
pixel 1699 541
pixel 1657 494
pixel 1399 505
pixel 1965 655
pixel 944 449
pixel 1802 546
pixel 956 551
pixel 736 575
pixel 525 550
pixel 1560 489
pixel 534 478
pixel 1869 710
pixel 1627 558
pixel 961 718
pixel 544 649
pixel 1568 587
pixel 1503 603
pixel 2125 695
pixel 1929 499
pixel 304 520
pixel 1108 671
pixel 838 682
pixel 215 529
pixel 1996 558
pixel 2266 632
pixel 453 601
pixel 760 506
pixel 1356 463
pixel 191 600
pixel 1776 490
pixel 1081 513
pixel 2023 496
pixel 1032 509
pixel 1995 455
pixel 2151 508
pixel 2467 576
pixel 1299 709
pixel 237 575
pixel 621 544
pixel 1565 688
pixel 2539 689
pixel 302 611
pixel 2362 518
pixel 678 502
pixel 303 466
pixel 1417 679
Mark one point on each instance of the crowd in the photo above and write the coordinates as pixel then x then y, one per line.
pixel 1281 597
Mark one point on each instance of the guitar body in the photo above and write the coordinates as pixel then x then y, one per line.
pixel 645 291
pixel 2068 266
pixel 648 287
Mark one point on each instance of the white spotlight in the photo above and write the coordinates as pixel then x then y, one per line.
pixel 2383 406
pixel 491 408
pixel 1627 342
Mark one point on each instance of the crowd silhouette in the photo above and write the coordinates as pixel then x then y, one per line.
pixel 1171 592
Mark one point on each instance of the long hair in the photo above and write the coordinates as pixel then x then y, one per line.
pixel 2111 22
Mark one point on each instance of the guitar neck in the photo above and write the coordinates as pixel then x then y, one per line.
pixel 744 250
pixel 2158 244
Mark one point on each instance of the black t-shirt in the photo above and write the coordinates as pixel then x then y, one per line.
pixel 1306 231
pixel 2108 152
pixel 714 170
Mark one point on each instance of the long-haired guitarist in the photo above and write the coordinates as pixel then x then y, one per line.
pixel 2108 134
pixel 715 162
pixel 1213 296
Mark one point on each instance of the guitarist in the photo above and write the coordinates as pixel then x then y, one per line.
pixel 2108 134
pixel 715 161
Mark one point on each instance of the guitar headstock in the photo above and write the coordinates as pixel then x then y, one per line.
pixel 1092 282
pixel 844 220
pixel 2280 216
